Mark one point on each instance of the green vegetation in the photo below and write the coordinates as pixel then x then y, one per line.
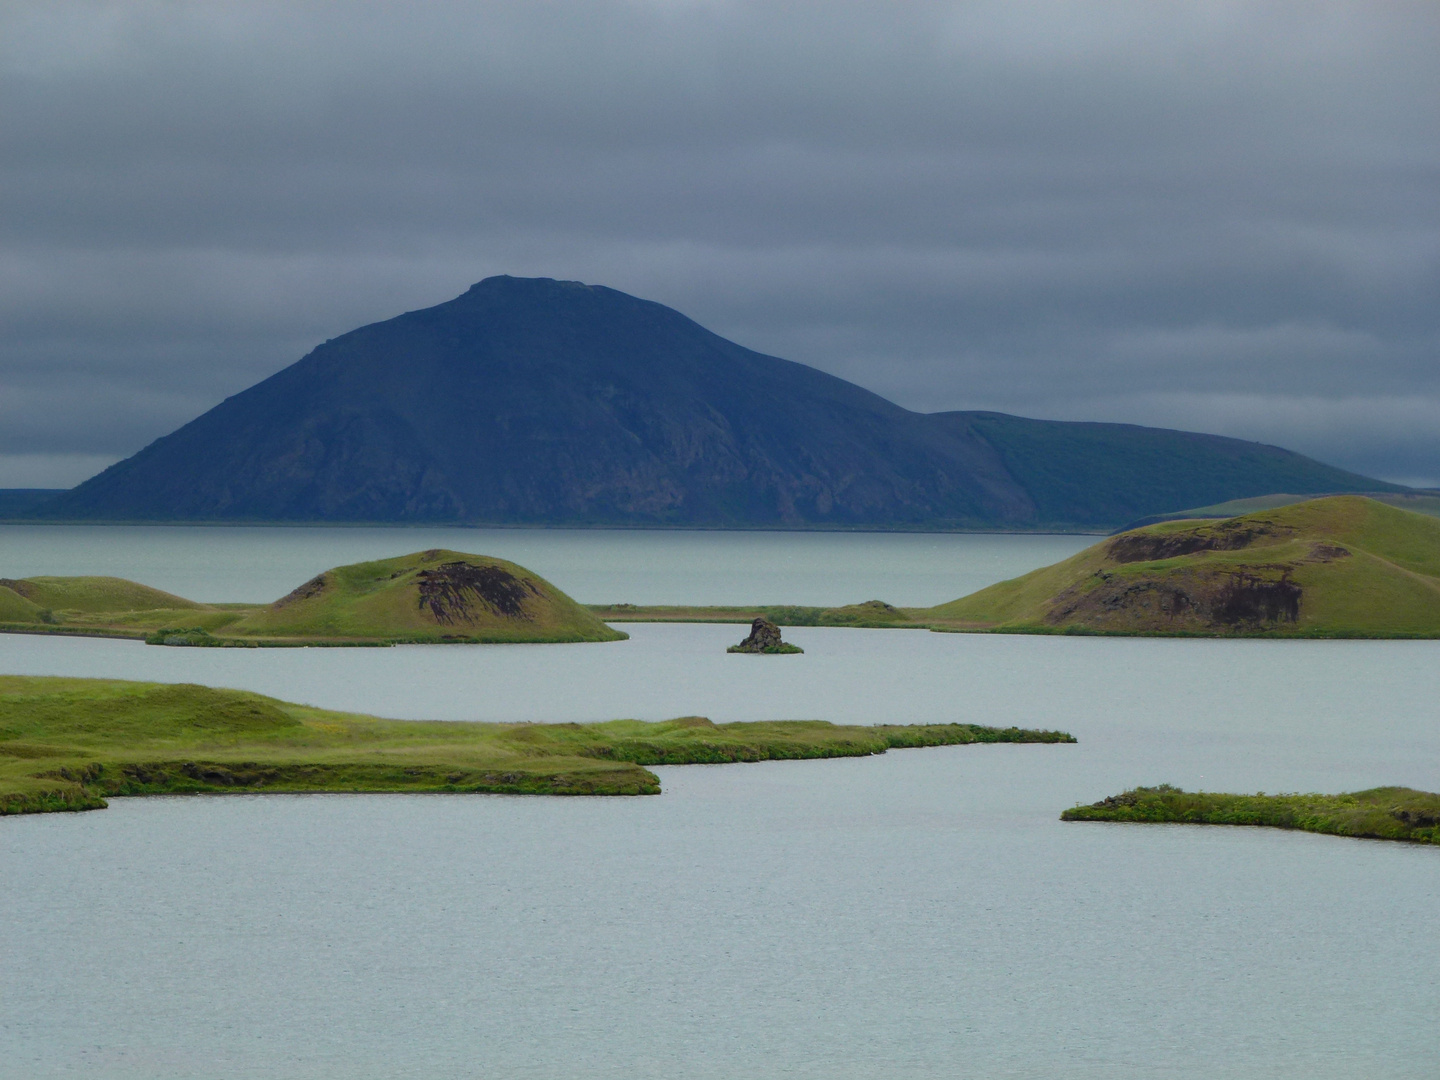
pixel 872 613
pixel 95 595
pixel 431 596
pixel 1344 566
pixel 67 744
pixel 1386 813
pixel 1421 502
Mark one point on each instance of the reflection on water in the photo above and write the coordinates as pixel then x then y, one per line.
pixel 921 914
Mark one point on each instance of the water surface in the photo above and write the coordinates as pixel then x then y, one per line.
pixel 596 566
pixel 918 915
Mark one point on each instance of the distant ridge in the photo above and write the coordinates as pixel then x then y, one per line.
pixel 529 401
pixel 20 503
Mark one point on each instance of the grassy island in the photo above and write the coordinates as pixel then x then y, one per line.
pixel 67 744
pixel 429 597
pixel 1386 813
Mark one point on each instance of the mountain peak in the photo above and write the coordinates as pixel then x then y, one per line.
pixel 551 402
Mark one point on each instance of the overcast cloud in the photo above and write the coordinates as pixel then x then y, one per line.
pixel 1222 217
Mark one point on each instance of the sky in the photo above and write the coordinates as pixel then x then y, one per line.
pixel 1215 216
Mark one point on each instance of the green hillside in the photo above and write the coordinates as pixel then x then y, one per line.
pixel 95 595
pixel 1422 502
pixel 430 596
pixel 1344 566
pixel 67 744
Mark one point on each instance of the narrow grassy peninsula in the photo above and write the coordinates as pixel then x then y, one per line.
pixel 68 744
pixel 1386 813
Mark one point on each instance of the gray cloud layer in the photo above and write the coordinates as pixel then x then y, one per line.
pixel 1217 216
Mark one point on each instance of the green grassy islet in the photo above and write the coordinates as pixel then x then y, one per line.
pixel 1384 813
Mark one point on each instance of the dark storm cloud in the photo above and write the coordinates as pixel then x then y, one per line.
pixel 1213 216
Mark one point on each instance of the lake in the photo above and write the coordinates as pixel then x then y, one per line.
pixel 915 915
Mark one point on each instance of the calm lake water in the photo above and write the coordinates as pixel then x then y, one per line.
pixel 921 914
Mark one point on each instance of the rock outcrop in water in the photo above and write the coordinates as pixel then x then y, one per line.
pixel 764 638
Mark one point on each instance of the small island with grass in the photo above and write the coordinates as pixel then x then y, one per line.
pixel 1385 813
pixel 430 597
pixel 68 744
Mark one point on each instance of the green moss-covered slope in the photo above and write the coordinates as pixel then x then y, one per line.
pixel 1344 566
pixel 1387 813
pixel 430 596
pixel 94 595
pixel 67 744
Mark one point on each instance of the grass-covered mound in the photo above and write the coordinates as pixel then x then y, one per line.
pixel 67 744
pixel 94 595
pixel 1344 566
pixel 1387 813
pixel 431 596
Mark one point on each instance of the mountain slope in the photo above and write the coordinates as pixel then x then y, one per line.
pixel 1343 566
pixel 532 401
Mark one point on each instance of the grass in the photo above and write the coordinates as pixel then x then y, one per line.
pixel 1386 813
pixel 428 597
pixel 69 744
pixel 870 613
pixel 1421 502
pixel 1352 566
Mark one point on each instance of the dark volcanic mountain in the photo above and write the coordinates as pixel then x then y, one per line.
pixel 551 402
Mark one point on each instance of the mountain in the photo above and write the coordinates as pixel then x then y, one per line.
pixel 1344 566
pixel 534 401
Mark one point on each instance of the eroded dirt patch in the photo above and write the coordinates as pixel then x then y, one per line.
pixel 1221 601
pixel 1246 598
pixel 21 588
pixel 459 591
pixel 314 587
pixel 1226 536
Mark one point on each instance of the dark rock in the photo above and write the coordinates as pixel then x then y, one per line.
pixel 764 638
